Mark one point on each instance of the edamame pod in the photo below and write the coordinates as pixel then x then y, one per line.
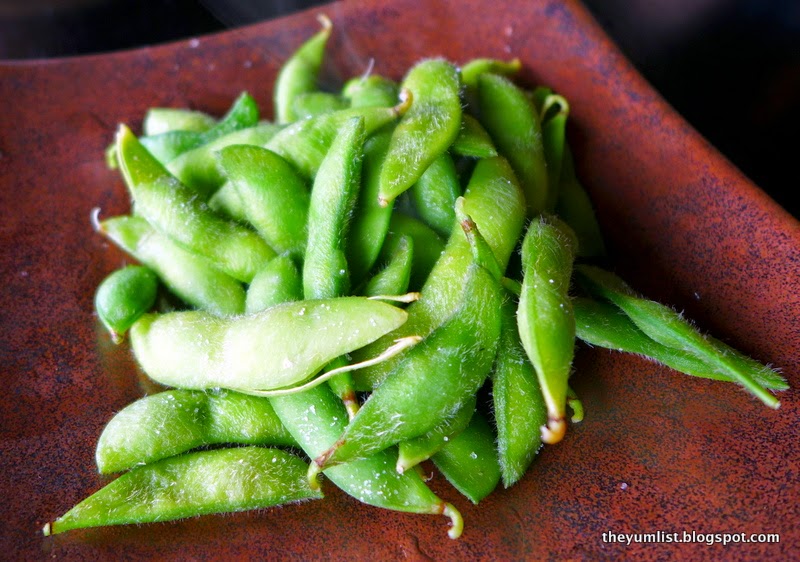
pixel 428 246
pixel 473 140
pixel 471 70
pixel 123 297
pixel 299 73
pixel 371 91
pixel 174 209
pixel 311 104
pixel 554 124
pixel 175 421
pixel 219 481
pixel 187 275
pixel 545 319
pixel 280 281
pixel 159 120
pixel 575 208
pixel 276 348
pixel 435 192
pixel 393 279
pixel 426 131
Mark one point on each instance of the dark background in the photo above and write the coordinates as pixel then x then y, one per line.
pixel 730 67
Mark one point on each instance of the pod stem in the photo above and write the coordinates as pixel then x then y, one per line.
pixel 408 297
pixel 554 431
pixel 456 520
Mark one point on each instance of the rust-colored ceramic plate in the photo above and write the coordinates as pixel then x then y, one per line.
pixel 657 452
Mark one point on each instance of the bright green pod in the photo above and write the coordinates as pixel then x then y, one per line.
pixel 300 72
pixel 426 130
pixel 538 95
pixel 186 275
pixel 167 146
pixel 370 220
pixel 218 481
pixel 175 421
pixel 513 123
pixel 333 198
pixel 428 246
pixel 574 207
pixel 305 143
pixel 432 380
pixel 494 200
pixel 280 281
pixel 414 451
pixel 473 140
pixel 159 120
pixel 602 324
pixel 175 210
pixel 469 461
pixel 545 318
pixel 519 407
pixel 316 418
pixel 471 70
pixel 371 91
pixel 670 328
pixel 198 168
pixel 123 297
pixel 279 347
pixel 227 203
pixel 394 278
pixel 435 192
pixel 274 198
pixel 311 104
pixel 554 131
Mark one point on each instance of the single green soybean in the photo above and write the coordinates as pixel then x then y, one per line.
pixel 513 123
pixel 603 324
pixel 159 120
pixel 574 207
pixel 435 193
pixel 469 461
pixel 311 104
pixel 519 407
pixel 280 281
pixel 395 276
pixel 545 318
pixel 333 198
pixel 471 70
pixel 427 129
pixel 669 328
pixel 218 481
pixel 316 418
pixel 123 296
pixel 187 275
pixel 167 146
pixel 370 222
pixel 175 210
pixel 305 143
pixel 371 91
pixel 432 380
pixel 554 128
pixel 419 449
pixel 198 168
pixel 473 140
pixel 276 348
pixel 175 421
pixel 274 197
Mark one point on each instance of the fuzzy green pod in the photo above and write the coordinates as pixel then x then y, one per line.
pixel 311 104
pixel 123 297
pixel 394 277
pixel 434 194
pixel 473 140
pixel 371 91
pixel 280 281
pixel 159 120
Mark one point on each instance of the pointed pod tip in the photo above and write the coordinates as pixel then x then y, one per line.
pixel 325 22
pixel 47 529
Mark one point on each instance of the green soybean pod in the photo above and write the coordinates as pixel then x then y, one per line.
pixel 472 69
pixel 371 91
pixel 428 246
pixel 469 461
pixel 519 406
pixel 159 120
pixel 218 481
pixel 671 329
pixel 174 209
pixel 575 208
pixel 274 198
pixel 473 140
pixel 433 379
pixel 198 168
pixel 414 451
pixel 538 95
pixel 394 277
pixel 280 281
pixel 175 421
pixel 435 192
pixel 316 418
pixel 123 296
pixel 427 129
pixel 188 276
pixel 277 348
pixel 545 318
pixel 311 104
pixel 299 73
pixel 227 203
pixel 554 128
pixel 513 123
pixel 604 325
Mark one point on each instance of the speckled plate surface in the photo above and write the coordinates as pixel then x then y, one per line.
pixel 657 451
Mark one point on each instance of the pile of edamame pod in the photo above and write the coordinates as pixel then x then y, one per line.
pixel 346 285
